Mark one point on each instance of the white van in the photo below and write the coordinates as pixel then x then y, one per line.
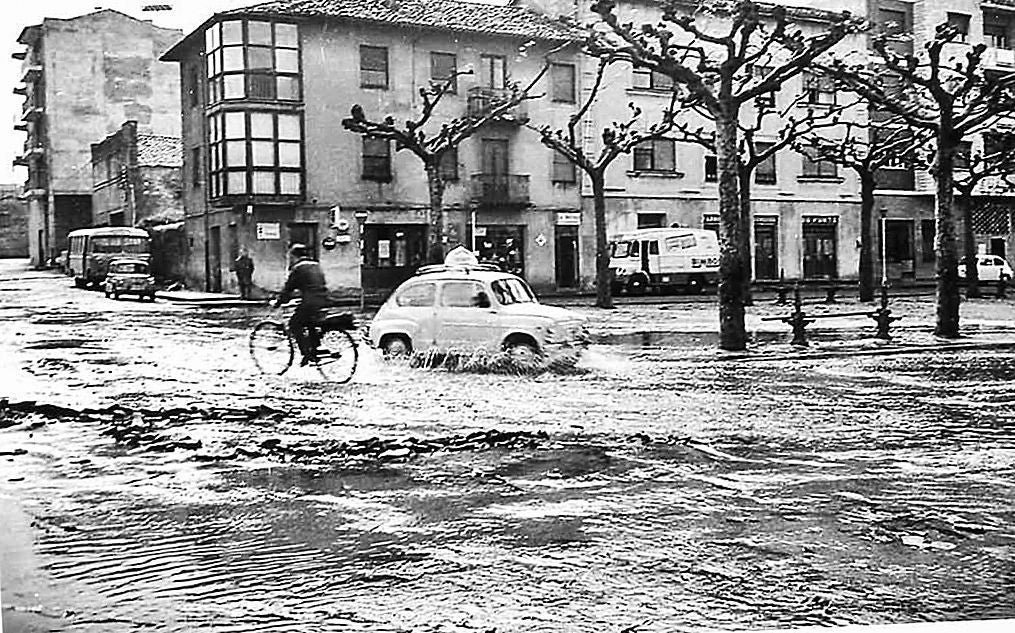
pixel 671 258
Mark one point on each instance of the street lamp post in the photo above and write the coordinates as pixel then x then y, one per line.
pixel 361 220
pixel 884 248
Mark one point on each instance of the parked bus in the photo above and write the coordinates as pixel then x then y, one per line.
pixel 664 259
pixel 91 250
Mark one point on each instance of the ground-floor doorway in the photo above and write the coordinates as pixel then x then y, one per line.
pixel 503 245
pixel 900 254
pixel 820 235
pixel 766 247
pixel 305 233
pixel 391 254
pixel 215 259
pixel 566 256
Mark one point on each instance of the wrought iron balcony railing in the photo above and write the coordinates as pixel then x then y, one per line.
pixel 481 100
pixel 500 189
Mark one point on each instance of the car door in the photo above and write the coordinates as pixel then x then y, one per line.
pixel 463 321
pixel 988 269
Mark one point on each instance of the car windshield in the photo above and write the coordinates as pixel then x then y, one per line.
pixel 130 268
pixel 510 291
pixel 119 244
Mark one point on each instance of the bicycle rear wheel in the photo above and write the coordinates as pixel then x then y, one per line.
pixel 337 356
pixel 271 347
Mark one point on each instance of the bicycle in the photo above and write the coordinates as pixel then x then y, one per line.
pixel 273 348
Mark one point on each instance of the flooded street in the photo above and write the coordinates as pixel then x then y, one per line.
pixel 160 482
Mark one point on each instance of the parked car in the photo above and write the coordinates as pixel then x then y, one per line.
pixel 989 268
pixel 129 277
pixel 464 305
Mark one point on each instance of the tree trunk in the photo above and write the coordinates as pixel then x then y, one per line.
pixel 732 331
pixel 604 277
pixel 435 234
pixel 945 243
pixel 867 186
pixel 964 206
pixel 744 246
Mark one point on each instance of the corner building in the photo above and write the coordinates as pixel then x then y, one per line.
pixel 267 162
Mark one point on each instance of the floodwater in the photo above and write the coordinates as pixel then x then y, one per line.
pixel 661 489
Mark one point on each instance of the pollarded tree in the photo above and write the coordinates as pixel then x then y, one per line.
pixel 714 64
pixel 945 91
pixel 866 149
pixel 432 149
pixel 759 143
pixel 617 138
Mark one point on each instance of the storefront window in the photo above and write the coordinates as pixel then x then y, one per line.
pixel 503 246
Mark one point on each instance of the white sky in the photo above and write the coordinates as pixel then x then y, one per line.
pixel 185 14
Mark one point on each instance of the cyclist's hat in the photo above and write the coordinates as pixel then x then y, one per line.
pixel 298 250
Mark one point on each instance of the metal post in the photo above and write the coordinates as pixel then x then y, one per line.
pixel 884 247
pixel 361 221
pixel 472 220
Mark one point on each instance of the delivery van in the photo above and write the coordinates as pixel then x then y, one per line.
pixel 664 259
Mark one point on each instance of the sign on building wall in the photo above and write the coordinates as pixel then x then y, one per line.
pixel 269 231
pixel 570 218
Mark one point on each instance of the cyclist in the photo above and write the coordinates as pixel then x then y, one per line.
pixel 306 276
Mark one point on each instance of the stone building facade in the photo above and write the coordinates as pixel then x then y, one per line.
pixel 82 78
pixel 265 90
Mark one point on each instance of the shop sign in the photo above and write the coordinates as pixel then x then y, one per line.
pixel 269 231
pixel 570 218
pixel 328 243
pixel 480 231
pixel 541 240
pixel 383 249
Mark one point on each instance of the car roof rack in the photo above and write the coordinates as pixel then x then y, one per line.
pixel 441 268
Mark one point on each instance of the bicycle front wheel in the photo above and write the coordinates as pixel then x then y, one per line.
pixel 337 356
pixel 271 347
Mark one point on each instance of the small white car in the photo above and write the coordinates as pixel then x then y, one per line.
pixel 989 268
pixel 465 306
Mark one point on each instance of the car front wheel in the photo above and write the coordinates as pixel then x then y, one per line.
pixel 396 347
pixel 522 352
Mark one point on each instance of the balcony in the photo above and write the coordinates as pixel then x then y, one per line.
pixel 30 110
pixel 19 55
pixel 20 161
pixel 999 58
pixel 481 100
pixel 21 90
pixel 21 127
pixel 500 189
pixel 31 73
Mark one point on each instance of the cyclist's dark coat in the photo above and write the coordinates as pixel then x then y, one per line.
pixel 307 277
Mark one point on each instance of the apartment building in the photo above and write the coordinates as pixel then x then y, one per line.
pixel 82 78
pixel 267 162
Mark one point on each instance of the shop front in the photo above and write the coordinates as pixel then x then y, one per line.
pixel 391 254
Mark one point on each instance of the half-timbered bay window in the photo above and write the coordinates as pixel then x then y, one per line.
pixel 253 59
pixel 256 153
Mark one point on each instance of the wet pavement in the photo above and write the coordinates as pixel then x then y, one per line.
pixel 158 481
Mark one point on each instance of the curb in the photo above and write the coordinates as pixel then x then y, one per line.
pixel 882 351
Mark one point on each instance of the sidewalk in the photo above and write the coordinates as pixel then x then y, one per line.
pixel 207 298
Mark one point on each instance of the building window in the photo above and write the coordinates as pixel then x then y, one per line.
pixel 251 59
pixel 959 22
pixel 443 67
pixel 373 67
pixel 563 170
pixel 646 79
pixel 493 71
pixel 819 168
pixel 997 148
pixel 562 82
pixel 894 20
pixel 651 220
pixel 767 99
pixel 256 153
pixel 195 166
pixel 963 156
pixel 376 159
pixel 764 173
pixel 449 165
pixel 657 155
pixel 818 89
pixel 995 30
pixel 711 168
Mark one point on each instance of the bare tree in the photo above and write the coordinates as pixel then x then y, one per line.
pixel 995 160
pixel 431 149
pixel 617 138
pixel 715 68
pixel 866 149
pixel 945 91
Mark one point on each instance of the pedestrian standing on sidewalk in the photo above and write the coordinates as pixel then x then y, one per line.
pixel 244 266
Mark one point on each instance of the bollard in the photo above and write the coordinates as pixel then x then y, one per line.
pixel 1002 287
pixel 781 299
pixel 798 320
pixel 830 294
pixel 883 316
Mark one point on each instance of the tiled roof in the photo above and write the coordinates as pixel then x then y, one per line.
pixel 451 15
pixel 159 151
